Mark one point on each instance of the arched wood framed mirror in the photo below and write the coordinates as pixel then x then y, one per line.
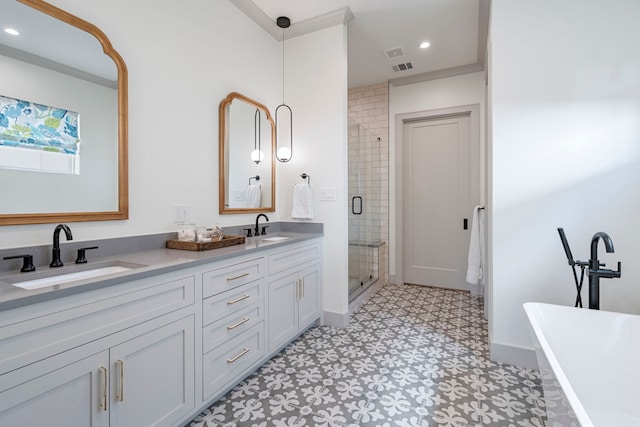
pixel 66 64
pixel 247 172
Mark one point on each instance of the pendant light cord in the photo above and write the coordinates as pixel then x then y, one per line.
pixel 283 65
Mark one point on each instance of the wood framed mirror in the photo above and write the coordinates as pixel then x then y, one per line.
pixel 247 174
pixel 61 61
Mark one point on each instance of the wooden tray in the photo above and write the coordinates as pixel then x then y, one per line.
pixel 205 246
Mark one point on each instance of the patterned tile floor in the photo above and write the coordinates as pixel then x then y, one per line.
pixel 412 356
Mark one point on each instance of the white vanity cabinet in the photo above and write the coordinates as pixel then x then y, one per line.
pixel 66 394
pixel 233 322
pixel 155 351
pixel 152 377
pixel 294 292
pixel 143 374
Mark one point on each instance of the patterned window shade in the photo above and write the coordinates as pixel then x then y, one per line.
pixel 28 125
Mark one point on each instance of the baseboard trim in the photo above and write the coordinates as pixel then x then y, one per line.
pixel 513 355
pixel 337 320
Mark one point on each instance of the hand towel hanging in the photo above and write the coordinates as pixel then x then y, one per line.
pixel 302 202
pixel 254 195
pixel 476 257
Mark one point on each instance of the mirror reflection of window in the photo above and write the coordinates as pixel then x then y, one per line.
pixel 63 62
pixel 39 138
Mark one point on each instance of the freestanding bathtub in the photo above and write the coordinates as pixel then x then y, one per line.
pixel 590 365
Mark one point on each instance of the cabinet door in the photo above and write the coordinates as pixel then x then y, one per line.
pixel 152 377
pixel 70 396
pixel 283 310
pixel 309 300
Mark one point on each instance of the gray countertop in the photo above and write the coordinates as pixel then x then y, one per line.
pixel 151 262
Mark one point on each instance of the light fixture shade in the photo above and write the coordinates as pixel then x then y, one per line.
pixel 284 133
pixel 257 156
pixel 284 154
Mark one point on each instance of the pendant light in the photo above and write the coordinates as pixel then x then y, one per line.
pixel 257 155
pixel 284 150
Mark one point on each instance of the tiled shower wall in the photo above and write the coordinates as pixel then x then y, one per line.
pixel 369 107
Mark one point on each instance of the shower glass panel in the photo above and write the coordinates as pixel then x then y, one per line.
pixel 365 217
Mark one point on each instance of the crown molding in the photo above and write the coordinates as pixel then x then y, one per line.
pixel 320 22
pixel 437 74
pixel 40 61
pixel 483 30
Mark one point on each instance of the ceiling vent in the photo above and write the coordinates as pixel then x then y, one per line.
pixel 395 53
pixel 403 67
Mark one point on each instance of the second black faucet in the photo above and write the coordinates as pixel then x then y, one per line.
pixel 55 259
pixel 257 230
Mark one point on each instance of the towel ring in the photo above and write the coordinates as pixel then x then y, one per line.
pixel 307 177
pixel 257 178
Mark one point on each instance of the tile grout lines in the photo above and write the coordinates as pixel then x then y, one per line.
pixel 412 356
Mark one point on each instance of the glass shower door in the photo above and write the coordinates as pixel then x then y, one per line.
pixel 364 215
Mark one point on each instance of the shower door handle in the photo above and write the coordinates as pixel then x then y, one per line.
pixel 353 205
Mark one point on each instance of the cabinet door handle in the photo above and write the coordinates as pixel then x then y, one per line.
pixel 120 392
pixel 297 288
pixel 238 356
pixel 105 380
pixel 243 297
pixel 302 288
pixel 237 277
pixel 244 320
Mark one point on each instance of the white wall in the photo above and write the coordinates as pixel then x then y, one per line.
pixel 566 152
pixel 183 58
pixel 455 91
pixel 316 91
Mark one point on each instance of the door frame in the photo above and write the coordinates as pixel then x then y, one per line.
pixel 473 110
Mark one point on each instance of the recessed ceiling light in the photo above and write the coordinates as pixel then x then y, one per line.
pixel 425 45
pixel 11 31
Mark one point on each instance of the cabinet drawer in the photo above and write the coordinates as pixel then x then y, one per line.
pixel 229 361
pixel 293 257
pixel 225 278
pixel 231 326
pixel 26 342
pixel 219 306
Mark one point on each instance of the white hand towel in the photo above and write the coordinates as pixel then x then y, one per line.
pixel 254 194
pixel 302 202
pixel 476 246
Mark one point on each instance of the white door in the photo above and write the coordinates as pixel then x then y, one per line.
pixel 437 198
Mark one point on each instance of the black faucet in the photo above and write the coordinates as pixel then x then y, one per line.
pixel 595 272
pixel 55 261
pixel 257 230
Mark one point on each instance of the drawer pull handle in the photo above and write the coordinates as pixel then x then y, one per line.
pixel 238 356
pixel 237 277
pixel 243 297
pixel 245 320
pixel 120 392
pixel 103 399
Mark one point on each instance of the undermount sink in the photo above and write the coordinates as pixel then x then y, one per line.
pixel 54 277
pixel 275 238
